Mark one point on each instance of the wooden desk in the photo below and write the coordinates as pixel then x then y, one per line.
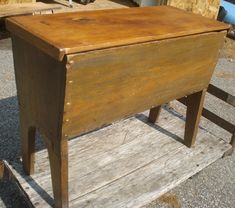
pixel 76 72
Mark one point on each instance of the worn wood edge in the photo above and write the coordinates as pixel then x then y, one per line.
pixel 136 41
pixel 197 170
pixel 58 52
pixel 32 38
pixel 70 56
pixel 11 177
pixel 229 152
pixel 232 143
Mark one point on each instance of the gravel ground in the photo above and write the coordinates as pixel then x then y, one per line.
pixel 213 187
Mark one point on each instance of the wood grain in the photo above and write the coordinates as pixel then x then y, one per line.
pixel 25 8
pixel 40 82
pixel 78 32
pixel 135 78
pixel 195 104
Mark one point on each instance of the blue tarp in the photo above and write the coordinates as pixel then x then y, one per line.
pixel 230 12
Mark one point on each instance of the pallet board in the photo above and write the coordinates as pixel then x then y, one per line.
pixel 127 164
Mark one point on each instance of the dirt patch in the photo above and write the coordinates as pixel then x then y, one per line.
pixel 171 200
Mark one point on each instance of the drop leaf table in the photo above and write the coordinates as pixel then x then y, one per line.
pixel 76 72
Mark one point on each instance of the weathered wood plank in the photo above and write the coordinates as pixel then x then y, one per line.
pixel 26 8
pixel 126 164
pixel 150 182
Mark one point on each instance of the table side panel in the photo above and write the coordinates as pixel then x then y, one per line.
pixel 40 82
pixel 106 85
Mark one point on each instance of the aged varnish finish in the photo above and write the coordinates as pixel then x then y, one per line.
pixel 76 72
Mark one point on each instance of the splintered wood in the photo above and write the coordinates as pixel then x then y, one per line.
pixel 127 164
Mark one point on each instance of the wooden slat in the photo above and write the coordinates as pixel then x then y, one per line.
pixel 25 8
pixel 127 164
pixel 116 27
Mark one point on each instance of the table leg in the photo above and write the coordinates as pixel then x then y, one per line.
pixel 28 147
pixel 194 110
pixel 58 156
pixel 154 114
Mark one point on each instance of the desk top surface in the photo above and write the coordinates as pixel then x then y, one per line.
pixel 68 33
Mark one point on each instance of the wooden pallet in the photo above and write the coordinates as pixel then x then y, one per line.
pixel 127 164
